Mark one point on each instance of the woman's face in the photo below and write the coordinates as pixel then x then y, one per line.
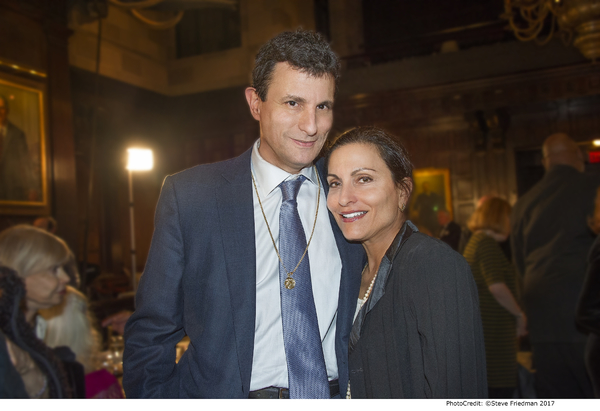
pixel 46 288
pixel 363 197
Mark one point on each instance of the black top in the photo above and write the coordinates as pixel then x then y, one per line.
pixel 550 242
pixel 451 234
pixel 588 309
pixel 11 384
pixel 419 335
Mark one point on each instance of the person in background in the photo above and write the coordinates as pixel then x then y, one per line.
pixel 417 330
pixel 450 232
pixel 41 260
pixel 117 321
pixel 465 234
pixel 234 264
pixel 426 205
pixel 28 368
pixel 550 240
pixel 497 284
pixel 588 307
pixel 71 324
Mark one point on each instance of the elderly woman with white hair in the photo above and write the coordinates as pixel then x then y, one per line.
pixel 38 262
pixel 42 260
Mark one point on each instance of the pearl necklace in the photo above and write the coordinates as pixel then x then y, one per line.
pixel 365 298
pixel 368 292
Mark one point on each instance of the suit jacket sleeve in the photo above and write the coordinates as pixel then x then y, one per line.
pixel 152 332
pixel 588 308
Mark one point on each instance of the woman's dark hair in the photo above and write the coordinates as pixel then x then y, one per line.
pixel 304 50
pixel 391 152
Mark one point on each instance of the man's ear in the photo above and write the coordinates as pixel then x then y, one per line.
pixel 254 102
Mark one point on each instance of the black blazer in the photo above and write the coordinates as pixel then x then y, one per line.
pixel 421 333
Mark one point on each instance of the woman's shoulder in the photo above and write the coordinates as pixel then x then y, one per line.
pixel 481 241
pixel 481 236
pixel 419 240
pixel 422 249
pixel 426 263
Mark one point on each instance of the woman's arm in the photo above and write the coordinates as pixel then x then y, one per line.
pixel 506 299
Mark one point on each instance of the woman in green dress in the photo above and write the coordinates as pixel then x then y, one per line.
pixel 496 282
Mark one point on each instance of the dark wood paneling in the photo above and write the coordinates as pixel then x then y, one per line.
pixel 34 35
pixel 434 123
pixel 61 129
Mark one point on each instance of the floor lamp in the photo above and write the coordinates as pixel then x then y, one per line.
pixel 138 159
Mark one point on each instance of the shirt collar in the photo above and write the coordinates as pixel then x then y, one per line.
pixel 268 177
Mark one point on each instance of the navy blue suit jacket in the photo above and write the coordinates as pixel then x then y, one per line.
pixel 200 280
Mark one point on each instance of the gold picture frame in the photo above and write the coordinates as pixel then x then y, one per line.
pixel 431 193
pixel 23 147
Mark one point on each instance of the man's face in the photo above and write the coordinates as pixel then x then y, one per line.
pixel 3 111
pixel 295 118
pixel 443 217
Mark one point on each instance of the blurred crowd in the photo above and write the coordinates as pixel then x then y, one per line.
pixel 537 270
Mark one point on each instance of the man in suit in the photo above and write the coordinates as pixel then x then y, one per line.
pixel 214 271
pixel 16 170
pixel 550 241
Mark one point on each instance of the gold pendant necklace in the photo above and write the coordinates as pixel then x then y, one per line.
pixel 289 282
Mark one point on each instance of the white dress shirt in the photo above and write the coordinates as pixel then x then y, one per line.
pixel 269 367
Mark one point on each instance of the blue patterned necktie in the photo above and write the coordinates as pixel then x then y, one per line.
pixel 307 374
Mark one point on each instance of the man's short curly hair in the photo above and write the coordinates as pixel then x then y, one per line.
pixel 304 50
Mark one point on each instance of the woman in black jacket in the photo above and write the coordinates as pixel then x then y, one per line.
pixel 31 369
pixel 417 330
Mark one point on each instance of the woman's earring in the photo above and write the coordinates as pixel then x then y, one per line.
pixel 403 207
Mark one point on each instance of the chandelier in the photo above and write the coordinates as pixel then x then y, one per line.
pixel 539 20
pixel 137 8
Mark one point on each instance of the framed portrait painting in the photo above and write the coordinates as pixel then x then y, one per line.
pixel 23 153
pixel 431 193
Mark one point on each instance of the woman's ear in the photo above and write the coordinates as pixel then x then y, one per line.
pixel 254 102
pixel 404 189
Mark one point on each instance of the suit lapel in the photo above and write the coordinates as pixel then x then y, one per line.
pixel 236 215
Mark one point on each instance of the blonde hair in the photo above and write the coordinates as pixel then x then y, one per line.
pixel 493 214
pixel 71 324
pixel 27 250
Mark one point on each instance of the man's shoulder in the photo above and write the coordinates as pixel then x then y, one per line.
pixel 559 182
pixel 213 173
